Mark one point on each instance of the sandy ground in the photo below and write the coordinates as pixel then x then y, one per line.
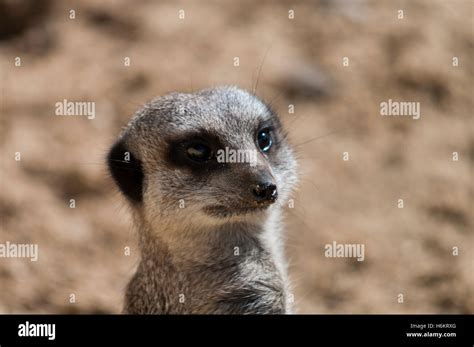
pixel 408 250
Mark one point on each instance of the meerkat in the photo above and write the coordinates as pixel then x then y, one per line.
pixel 209 231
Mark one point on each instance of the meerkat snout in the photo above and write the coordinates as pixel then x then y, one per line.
pixel 265 192
pixel 206 175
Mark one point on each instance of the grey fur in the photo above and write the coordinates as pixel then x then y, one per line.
pixel 189 261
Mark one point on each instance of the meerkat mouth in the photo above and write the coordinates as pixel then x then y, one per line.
pixel 222 211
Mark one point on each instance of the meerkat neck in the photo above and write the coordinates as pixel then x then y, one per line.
pixel 190 244
pixel 220 271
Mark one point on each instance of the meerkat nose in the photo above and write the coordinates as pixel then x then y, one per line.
pixel 265 192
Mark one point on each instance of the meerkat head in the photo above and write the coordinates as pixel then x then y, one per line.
pixel 207 157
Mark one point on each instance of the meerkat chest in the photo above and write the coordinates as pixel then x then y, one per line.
pixel 256 289
pixel 249 287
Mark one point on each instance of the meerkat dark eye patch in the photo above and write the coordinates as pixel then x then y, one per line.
pixel 126 170
pixel 264 139
pixel 199 152
pixel 268 134
pixel 194 151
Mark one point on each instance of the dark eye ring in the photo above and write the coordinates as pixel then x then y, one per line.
pixel 199 152
pixel 264 139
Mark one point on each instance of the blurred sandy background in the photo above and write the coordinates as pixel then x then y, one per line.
pixel 407 250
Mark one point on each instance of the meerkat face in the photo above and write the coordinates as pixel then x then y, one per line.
pixel 214 155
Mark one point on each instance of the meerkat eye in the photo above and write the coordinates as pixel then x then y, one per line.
pixel 199 152
pixel 264 139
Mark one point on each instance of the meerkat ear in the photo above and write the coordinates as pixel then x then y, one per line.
pixel 126 170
